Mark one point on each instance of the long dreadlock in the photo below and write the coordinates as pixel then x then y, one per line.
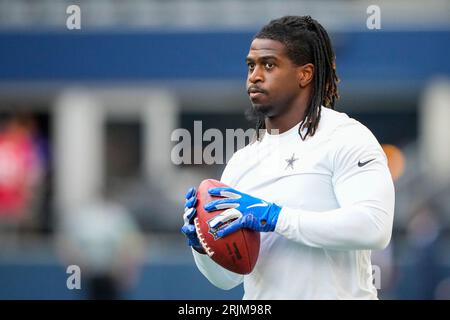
pixel 306 42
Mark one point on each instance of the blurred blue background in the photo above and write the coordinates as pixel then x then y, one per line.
pixel 86 118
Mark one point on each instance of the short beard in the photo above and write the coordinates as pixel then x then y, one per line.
pixel 255 115
pixel 257 118
pixel 259 112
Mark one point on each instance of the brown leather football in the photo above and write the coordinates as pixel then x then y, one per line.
pixel 237 251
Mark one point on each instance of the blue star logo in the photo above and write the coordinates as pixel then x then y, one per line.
pixel 290 162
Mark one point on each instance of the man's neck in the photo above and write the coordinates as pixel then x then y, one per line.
pixel 291 117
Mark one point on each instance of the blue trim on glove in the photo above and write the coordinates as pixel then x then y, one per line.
pixel 188 229
pixel 255 214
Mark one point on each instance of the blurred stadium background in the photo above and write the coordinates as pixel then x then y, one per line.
pixel 86 118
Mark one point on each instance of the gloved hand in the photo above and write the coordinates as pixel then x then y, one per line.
pixel 252 213
pixel 188 229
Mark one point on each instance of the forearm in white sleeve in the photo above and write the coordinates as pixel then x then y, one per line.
pixel 217 275
pixel 365 217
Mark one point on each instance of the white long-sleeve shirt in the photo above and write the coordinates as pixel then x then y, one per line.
pixel 337 199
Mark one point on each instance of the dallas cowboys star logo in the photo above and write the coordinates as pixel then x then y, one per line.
pixel 290 162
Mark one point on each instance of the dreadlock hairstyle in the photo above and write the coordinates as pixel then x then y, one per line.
pixel 306 41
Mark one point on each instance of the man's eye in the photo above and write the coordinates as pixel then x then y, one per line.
pixel 251 66
pixel 269 65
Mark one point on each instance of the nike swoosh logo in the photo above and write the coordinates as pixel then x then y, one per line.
pixel 362 164
pixel 262 204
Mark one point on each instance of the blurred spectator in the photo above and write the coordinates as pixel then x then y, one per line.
pixel 103 240
pixel 22 164
pixel 422 270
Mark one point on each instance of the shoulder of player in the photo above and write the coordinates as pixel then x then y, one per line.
pixel 353 133
pixel 235 163
pixel 344 130
pixel 242 154
pixel 351 141
pixel 348 138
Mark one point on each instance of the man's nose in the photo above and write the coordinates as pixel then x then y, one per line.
pixel 256 75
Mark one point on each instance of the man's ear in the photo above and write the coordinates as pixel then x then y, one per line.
pixel 305 74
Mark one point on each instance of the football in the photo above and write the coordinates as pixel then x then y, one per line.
pixel 237 251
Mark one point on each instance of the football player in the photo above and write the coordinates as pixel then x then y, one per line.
pixel 322 196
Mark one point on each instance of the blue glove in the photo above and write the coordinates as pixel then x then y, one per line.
pixel 251 212
pixel 188 229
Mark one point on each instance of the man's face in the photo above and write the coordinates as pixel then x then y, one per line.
pixel 272 80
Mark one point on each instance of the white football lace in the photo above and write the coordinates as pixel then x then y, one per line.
pixel 200 236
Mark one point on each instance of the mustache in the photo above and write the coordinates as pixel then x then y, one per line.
pixel 254 89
